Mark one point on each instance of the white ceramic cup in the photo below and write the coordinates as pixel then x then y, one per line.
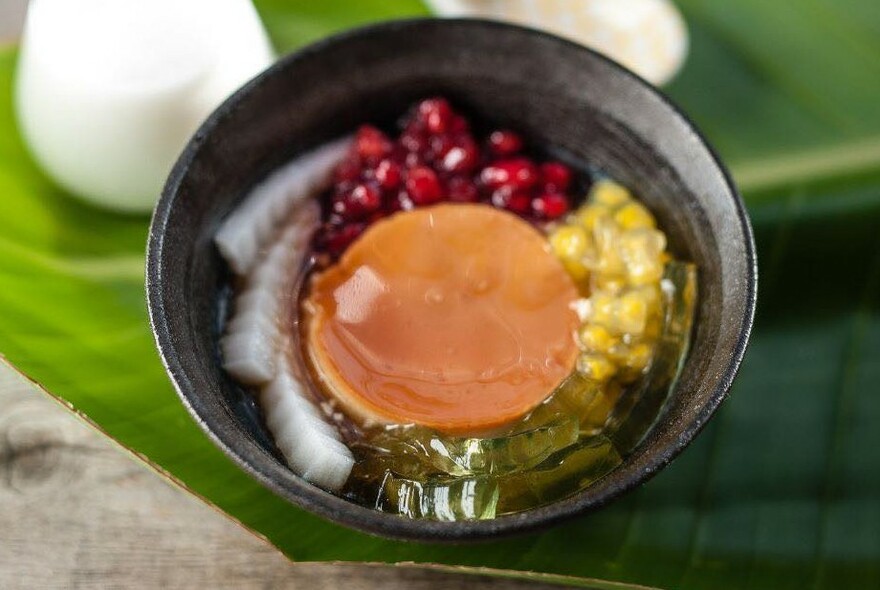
pixel 109 91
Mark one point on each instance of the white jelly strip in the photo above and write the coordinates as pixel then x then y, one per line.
pixel 312 447
pixel 249 228
pixel 253 353
pixel 253 334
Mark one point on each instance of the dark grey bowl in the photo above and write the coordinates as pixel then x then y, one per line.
pixel 558 94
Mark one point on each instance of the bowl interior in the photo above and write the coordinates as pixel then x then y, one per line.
pixel 557 94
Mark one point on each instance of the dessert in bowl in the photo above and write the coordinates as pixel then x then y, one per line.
pixel 436 290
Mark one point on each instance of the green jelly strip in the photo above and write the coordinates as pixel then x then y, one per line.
pixel 447 498
pixel 523 448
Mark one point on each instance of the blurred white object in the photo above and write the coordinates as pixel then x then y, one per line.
pixel 109 91
pixel 647 36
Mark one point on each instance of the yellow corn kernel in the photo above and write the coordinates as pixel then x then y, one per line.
pixel 643 243
pixel 576 270
pixel 596 367
pixel 569 242
pixel 634 216
pixel 609 193
pixel 651 294
pixel 639 356
pixel 645 273
pixel 631 313
pixel 642 253
pixel 607 236
pixel 602 309
pixel 589 214
pixel 597 339
pixel 610 284
pixel 619 352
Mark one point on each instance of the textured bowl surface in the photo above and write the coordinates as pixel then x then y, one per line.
pixel 556 93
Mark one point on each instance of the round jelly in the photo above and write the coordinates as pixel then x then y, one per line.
pixel 457 317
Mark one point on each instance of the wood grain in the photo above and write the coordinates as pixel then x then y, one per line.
pixel 76 511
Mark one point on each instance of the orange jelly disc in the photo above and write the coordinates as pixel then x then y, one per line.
pixel 456 317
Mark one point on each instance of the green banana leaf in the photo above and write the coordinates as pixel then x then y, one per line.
pixel 782 490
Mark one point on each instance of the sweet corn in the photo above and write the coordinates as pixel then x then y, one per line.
pixel 638 356
pixel 631 313
pixel 590 214
pixel 651 295
pixel 569 242
pixel 641 251
pixel 610 284
pixel 645 242
pixel 596 367
pixel 634 216
pixel 609 193
pixel 578 271
pixel 619 352
pixel 602 308
pixel 606 236
pixel 611 246
pixel 595 338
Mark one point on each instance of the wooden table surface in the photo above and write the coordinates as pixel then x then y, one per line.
pixel 78 511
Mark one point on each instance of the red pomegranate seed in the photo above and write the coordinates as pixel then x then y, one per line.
pixel 436 114
pixel 349 170
pixel 333 220
pixel 343 187
pixel 399 202
pixel 440 146
pixel 372 144
pixel 556 176
pixel 362 200
pixel 336 239
pixel 459 125
pixel 505 142
pixel 423 186
pixel 343 210
pixel 518 202
pixel 398 153
pixel 388 174
pixel 415 142
pixel 434 158
pixel 550 206
pixel 414 160
pixel 518 174
pixel 413 125
pixel 462 190
pixel 367 196
pixel 464 157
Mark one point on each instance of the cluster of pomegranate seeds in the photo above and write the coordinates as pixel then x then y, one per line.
pixel 436 158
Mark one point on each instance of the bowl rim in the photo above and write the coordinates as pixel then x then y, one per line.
pixel 337 509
